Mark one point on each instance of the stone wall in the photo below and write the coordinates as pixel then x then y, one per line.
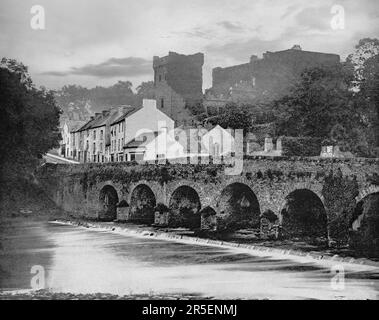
pixel 178 82
pixel 77 188
pixel 270 76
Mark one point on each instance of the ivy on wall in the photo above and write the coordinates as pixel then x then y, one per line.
pixel 126 174
pixel 339 193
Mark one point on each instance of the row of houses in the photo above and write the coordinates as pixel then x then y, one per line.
pixel 127 133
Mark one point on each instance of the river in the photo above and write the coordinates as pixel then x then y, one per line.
pixel 80 260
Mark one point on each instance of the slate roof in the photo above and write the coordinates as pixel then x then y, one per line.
pixel 112 117
pixel 74 125
pixel 128 113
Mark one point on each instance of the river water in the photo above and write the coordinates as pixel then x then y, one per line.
pixel 79 260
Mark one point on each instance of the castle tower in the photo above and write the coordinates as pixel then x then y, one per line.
pixel 178 81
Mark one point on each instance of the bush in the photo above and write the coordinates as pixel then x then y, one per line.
pixel 301 146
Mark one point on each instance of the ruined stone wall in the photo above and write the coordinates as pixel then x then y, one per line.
pixel 225 78
pixel 273 74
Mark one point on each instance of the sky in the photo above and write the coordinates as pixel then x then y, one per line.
pixel 98 42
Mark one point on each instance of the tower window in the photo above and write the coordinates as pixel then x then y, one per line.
pixel 162 103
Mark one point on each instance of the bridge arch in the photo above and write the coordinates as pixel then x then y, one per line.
pixel 108 199
pixel 365 192
pixel 142 204
pixel 184 205
pixel 303 215
pixel 238 207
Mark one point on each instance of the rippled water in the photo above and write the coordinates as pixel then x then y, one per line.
pixel 79 260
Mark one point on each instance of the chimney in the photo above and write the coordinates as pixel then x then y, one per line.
pixel 253 58
pixel 105 113
pixel 296 47
pixel 149 104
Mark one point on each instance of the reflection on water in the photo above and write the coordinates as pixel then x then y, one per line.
pixel 78 260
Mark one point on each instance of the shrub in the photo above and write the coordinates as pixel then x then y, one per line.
pixel 301 146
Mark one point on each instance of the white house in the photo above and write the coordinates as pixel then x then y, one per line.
pixel 67 149
pixel 218 141
pixel 135 122
pixel 164 146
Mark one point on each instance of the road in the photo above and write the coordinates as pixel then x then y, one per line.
pixel 79 260
pixel 52 158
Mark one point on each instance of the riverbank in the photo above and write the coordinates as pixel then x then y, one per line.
pixel 260 249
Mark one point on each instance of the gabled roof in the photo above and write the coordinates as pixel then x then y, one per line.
pixel 74 125
pixel 87 125
pixel 129 111
pixel 100 120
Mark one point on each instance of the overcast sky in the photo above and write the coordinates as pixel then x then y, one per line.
pixel 97 42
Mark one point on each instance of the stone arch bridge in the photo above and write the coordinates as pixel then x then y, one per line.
pixel 300 196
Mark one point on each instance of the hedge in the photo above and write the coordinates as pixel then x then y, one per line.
pixel 301 146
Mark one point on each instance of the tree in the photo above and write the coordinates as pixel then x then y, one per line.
pixel 30 120
pixel 365 61
pixel 146 90
pixel 323 105
pixel 369 86
pixel 364 50
pixel 234 117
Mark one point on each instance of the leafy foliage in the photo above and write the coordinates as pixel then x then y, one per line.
pixel 30 120
pixel 339 193
pixel 323 105
pixel 234 117
pixel 301 146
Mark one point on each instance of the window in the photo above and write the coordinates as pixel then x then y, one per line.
pixel 94 134
pixel 101 135
pixel 94 148
pixel 119 127
pixel 87 145
pixel 122 142
pixel 87 133
pixel 118 145
pixel 101 147
pixel 132 156
pixel 162 103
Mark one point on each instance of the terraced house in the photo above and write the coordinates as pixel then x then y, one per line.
pixel 136 122
pixel 91 142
